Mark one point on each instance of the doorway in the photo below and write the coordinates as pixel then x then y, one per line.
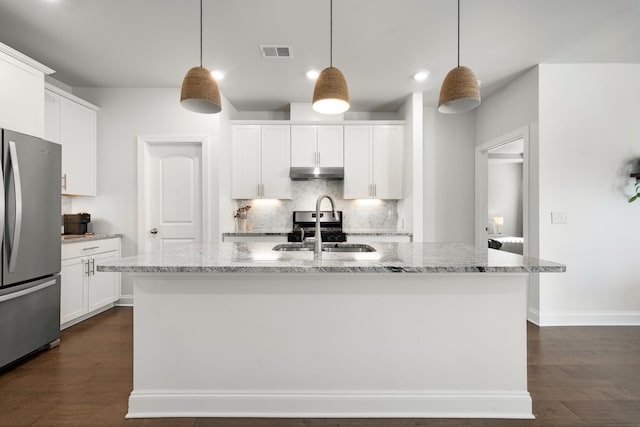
pixel 502 193
pixel 172 196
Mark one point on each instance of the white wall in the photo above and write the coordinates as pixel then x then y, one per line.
pixel 410 208
pixel 505 194
pixel 449 143
pixel 125 114
pixel 512 108
pixel 589 138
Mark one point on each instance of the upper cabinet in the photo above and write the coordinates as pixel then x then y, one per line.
pixel 261 162
pixel 317 145
pixel 21 88
pixel 71 122
pixel 373 161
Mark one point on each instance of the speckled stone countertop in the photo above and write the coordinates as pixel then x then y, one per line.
pixel 75 238
pixel 388 258
pixel 259 232
pixel 355 232
pixel 376 232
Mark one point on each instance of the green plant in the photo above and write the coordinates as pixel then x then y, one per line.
pixel 637 189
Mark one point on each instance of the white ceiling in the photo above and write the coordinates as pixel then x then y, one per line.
pixel 378 44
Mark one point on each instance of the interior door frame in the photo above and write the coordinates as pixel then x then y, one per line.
pixel 145 142
pixel 482 190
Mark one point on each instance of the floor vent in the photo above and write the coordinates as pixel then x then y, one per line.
pixel 276 52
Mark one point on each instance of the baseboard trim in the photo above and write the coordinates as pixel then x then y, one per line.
pixel 125 300
pixel 596 318
pixel 86 316
pixel 533 316
pixel 331 405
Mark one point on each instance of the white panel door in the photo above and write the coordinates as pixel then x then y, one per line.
pixel 276 183
pixel 245 161
pixel 175 197
pixel 357 161
pixel 387 161
pixel 330 146
pixel 303 146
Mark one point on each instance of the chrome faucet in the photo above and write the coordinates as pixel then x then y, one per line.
pixel 317 251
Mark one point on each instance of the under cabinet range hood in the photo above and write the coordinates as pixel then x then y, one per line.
pixel 307 173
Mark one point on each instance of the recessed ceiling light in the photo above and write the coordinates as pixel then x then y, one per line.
pixel 421 76
pixel 218 75
pixel 312 74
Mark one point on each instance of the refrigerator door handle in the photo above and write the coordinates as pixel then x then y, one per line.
pixel 17 229
pixel 2 207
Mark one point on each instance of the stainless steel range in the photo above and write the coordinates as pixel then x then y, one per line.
pixel 304 226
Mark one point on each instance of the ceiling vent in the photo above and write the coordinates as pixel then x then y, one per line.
pixel 276 52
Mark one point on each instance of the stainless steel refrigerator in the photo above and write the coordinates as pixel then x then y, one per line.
pixel 30 235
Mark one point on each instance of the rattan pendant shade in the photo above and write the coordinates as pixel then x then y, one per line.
pixel 331 94
pixel 460 91
pixel 200 92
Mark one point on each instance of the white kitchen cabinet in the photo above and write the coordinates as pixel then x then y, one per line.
pixel 86 292
pixel 21 86
pixel 317 146
pixel 260 162
pixel 71 122
pixel 373 161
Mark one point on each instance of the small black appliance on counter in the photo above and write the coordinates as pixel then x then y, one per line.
pixel 76 223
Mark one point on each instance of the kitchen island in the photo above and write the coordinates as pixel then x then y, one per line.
pixel 410 330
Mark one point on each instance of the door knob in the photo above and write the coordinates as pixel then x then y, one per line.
pixel 153 231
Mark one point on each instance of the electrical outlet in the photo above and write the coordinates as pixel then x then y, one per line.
pixel 559 218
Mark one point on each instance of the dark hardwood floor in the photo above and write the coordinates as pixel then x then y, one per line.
pixel 578 376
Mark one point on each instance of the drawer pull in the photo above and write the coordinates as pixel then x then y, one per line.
pixel 92 247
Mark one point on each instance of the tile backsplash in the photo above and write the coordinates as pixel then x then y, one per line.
pixel 371 214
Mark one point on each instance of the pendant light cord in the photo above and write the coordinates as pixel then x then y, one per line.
pixel 458 33
pixel 201 33
pixel 331 33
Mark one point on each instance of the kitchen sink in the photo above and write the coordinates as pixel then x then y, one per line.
pixel 326 247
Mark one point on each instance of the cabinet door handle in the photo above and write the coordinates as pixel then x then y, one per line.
pixel 86 271
pixel 261 190
pixel 93 266
pixel 64 182
pixel 315 158
pixel 318 158
pixel 375 190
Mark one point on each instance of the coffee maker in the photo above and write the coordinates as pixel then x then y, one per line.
pixel 76 223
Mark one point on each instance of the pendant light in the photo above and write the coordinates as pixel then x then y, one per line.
pixel 460 91
pixel 331 95
pixel 200 91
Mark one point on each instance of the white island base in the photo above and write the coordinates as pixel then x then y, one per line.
pixel 330 345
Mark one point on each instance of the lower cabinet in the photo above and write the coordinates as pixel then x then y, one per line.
pixel 86 291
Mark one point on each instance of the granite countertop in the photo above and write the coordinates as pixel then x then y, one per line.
pixel 75 238
pixel 376 232
pixel 388 258
pixel 359 232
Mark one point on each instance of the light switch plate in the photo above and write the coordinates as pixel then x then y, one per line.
pixel 559 218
